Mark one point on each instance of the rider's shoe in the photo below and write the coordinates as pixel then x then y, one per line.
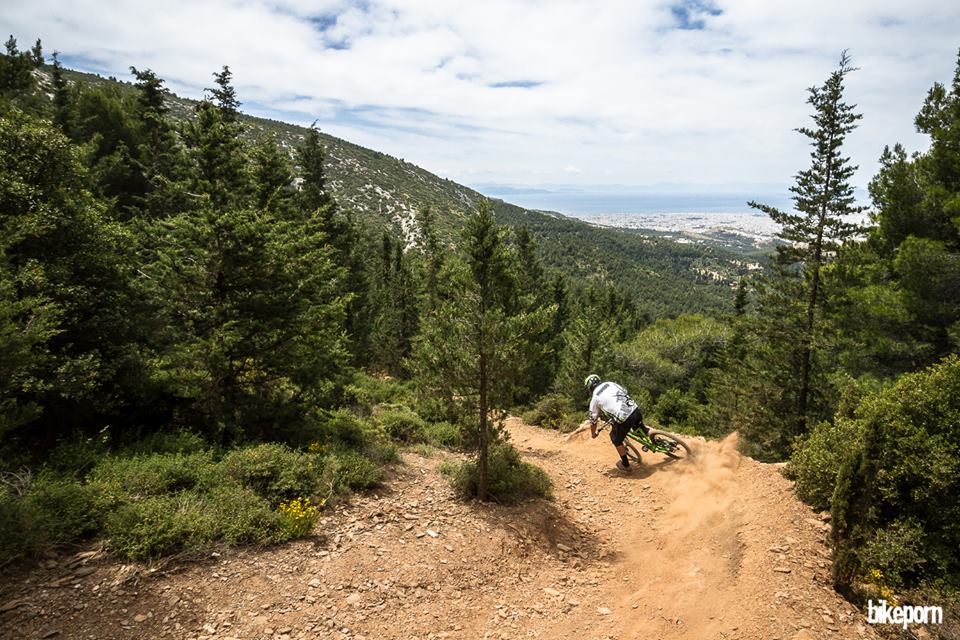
pixel 622 466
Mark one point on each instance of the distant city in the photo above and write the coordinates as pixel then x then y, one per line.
pixel 721 216
pixel 576 203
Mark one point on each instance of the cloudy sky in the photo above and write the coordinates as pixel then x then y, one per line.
pixel 531 92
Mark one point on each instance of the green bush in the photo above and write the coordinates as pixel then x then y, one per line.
pixel 150 505
pixel 671 353
pixel 896 548
pixel 156 474
pixel 343 429
pixel 400 422
pixel 673 409
pixel 816 460
pixel 76 458
pixel 191 520
pixel 21 530
pixel 170 442
pixel 382 450
pixel 903 480
pixel 433 408
pixel 274 471
pixel 555 411
pixel 355 471
pixel 243 517
pixel 365 392
pixel 67 510
pixel 161 525
pixel 423 449
pixel 509 478
pixel 442 434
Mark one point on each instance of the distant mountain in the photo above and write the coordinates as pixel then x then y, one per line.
pixel 664 277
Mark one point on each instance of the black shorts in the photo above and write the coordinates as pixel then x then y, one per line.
pixel 619 431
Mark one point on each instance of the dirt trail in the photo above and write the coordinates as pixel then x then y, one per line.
pixel 713 548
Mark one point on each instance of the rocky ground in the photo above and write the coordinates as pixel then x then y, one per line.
pixel 717 547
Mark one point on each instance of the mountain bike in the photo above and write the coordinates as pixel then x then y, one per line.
pixel 652 440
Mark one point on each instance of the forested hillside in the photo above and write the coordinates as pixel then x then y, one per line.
pixel 383 192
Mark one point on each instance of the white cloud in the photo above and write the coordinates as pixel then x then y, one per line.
pixel 610 87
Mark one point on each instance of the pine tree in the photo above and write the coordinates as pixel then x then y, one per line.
pixel 64 326
pixel 218 151
pixel 62 114
pixel 252 317
pixel 313 194
pixel 313 199
pixel 16 77
pixel 531 277
pixel 468 346
pixel 161 156
pixel 273 178
pixel 103 119
pixel 249 293
pixel 225 96
pixel 27 324
pixel 433 257
pixel 740 300
pixel 897 305
pixel 36 54
pixel 823 198
pixel 404 298
pixel 587 345
pixel 537 364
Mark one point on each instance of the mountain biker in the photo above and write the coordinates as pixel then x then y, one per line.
pixel 615 404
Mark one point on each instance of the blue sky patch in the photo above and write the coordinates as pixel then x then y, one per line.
pixel 323 22
pixel 692 14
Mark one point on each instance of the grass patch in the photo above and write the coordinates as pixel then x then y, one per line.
pixel 423 449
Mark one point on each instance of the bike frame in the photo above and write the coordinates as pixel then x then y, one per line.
pixel 641 438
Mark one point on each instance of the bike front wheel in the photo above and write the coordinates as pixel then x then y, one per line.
pixel 670 445
pixel 632 454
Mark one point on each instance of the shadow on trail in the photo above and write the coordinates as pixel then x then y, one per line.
pixel 644 471
pixel 542 524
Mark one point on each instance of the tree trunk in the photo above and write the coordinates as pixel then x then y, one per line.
pixel 812 304
pixel 808 338
pixel 482 461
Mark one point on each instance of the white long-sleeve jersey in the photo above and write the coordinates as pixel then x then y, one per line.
pixel 612 401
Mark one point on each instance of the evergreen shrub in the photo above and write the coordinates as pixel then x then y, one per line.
pixel 897 498
pixel 510 479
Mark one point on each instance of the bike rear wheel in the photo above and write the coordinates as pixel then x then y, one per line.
pixel 670 445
